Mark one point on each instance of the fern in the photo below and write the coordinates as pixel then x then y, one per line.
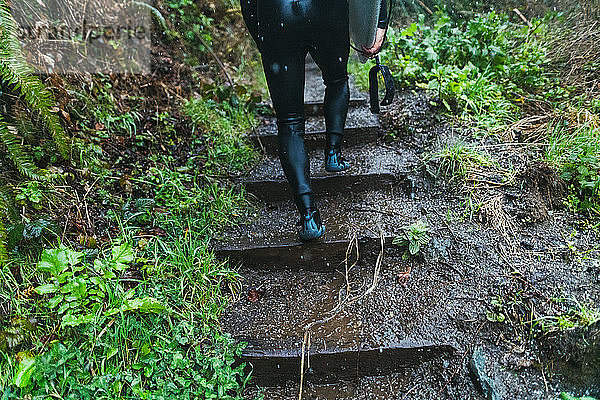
pixel 7 213
pixel 3 240
pixel 17 154
pixel 17 73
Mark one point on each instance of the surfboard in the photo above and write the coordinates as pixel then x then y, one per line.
pixel 363 17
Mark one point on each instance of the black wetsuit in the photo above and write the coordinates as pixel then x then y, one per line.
pixel 285 31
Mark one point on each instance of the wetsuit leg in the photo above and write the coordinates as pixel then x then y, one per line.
pixel 330 48
pixel 250 18
pixel 284 31
pixel 281 37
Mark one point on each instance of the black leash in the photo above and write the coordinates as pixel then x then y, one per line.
pixel 390 90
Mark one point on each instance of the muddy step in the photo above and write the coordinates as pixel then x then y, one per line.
pixel 315 108
pixel 319 256
pixel 374 167
pixel 352 333
pixel 276 367
pixel 314 92
pixel 270 240
pixel 361 127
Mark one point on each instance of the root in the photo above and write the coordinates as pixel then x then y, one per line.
pixel 493 211
pixel 351 296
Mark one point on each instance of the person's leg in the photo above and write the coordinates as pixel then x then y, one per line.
pixel 281 36
pixel 250 18
pixel 330 50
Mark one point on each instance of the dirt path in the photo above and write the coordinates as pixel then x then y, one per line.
pixel 379 326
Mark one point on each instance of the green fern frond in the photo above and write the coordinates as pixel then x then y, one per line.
pixel 15 71
pixel 7 214
pixel 154 11
pixel 18 154
pixel 7 204
pixel 3 241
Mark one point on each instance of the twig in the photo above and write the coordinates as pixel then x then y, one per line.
pixel 217 59
pixel 409 390
pixel 304 340
pixel 543 374
pixel 425 7
pixel 523 17
pixel 347 300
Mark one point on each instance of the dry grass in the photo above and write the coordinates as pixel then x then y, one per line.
pixel 574 54
pixel 575 51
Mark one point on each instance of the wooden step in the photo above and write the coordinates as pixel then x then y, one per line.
pixel 270 240
pixel 373 167
pixel 276 367
pixel 323 255
pixel 361 127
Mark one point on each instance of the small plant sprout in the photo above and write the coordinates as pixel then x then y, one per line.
pixel 414 237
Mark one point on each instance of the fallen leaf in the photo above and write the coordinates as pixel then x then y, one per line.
pixel 403 277
pixel 255 295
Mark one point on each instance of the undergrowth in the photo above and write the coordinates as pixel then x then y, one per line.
pixel 492 74
pixel 135 316
pixel 138 319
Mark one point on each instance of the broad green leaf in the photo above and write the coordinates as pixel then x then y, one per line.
pixel 73 257
pixel 64 306
pixel 413 247
pixel 566 396
pixel 79 289
pixel 54 261
pixel 71 320
pixel 150 304
pixel 24 371
pixel 121 255
pixel 56 300
pixel 146 304
pixel 47 288
pixel 410 31
pixel 111 352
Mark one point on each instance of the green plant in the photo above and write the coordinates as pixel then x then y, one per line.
pixel 575 151
pixel 30 192
pixel 578 316
pixel 167 368
pixel 109 121
pixel 16 76
pixel 478 67
pixel 566 396
pixel 16 73
pixel 497 312
pixel 77 292
pixel 196 25
pixel 224 126
pixel 415 236
pixel 456 160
